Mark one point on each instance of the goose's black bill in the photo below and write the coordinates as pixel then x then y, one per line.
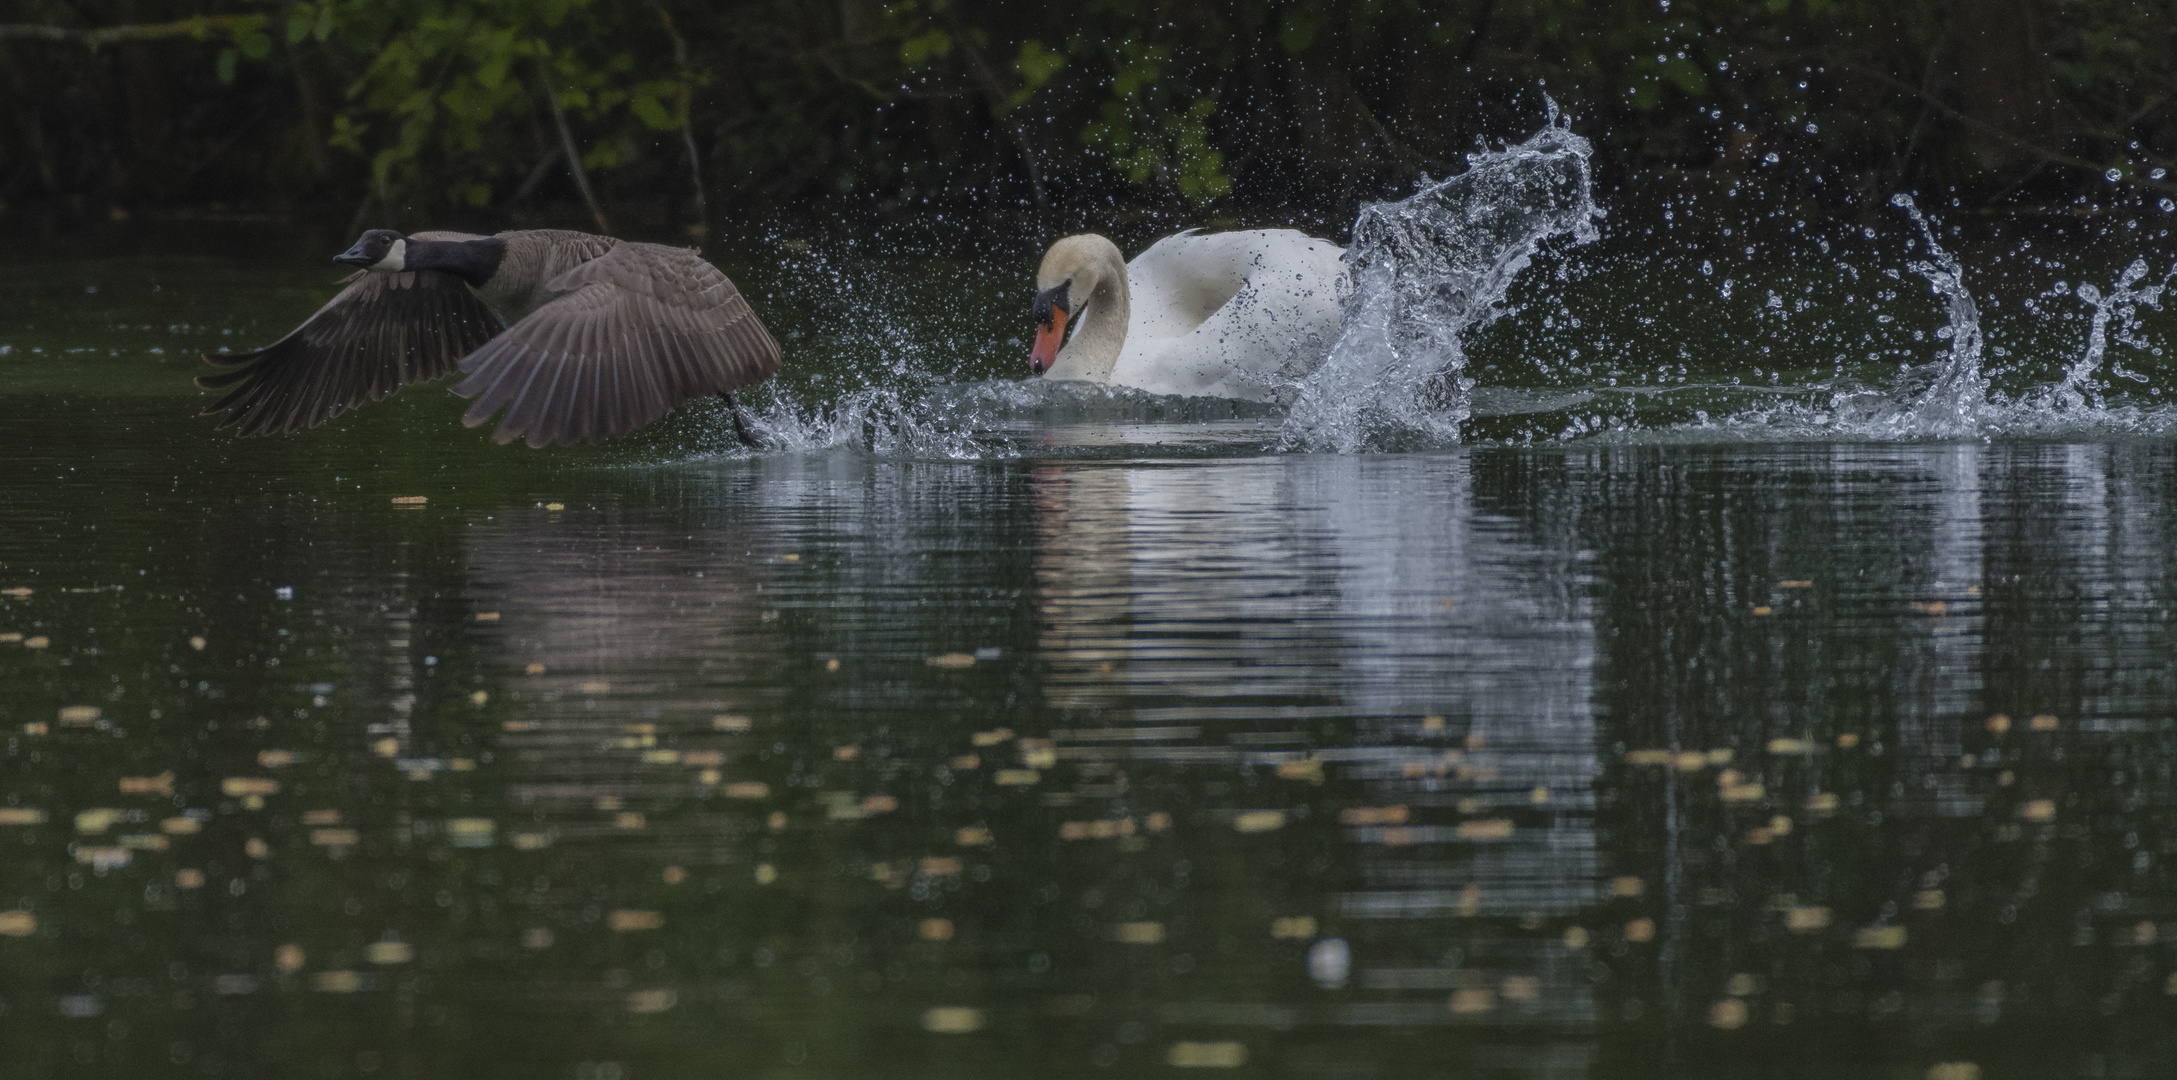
pixel 623 340
pixel 380 333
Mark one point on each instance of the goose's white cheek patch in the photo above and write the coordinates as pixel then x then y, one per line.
pixel 396 259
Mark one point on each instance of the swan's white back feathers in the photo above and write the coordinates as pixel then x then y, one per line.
pixel 1232 314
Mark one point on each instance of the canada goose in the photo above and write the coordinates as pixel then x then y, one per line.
pixel 576 336
pixel 1235 315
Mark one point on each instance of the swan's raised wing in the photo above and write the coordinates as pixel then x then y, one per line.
pixel 625 338
pixel 380 333
pixel 1235 314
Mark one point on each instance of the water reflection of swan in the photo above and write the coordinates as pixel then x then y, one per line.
pixel 1220 315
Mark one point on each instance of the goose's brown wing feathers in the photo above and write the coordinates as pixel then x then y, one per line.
pixel 380 333
pixel 624 339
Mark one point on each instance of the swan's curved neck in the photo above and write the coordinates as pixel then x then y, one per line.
pixel 1103 311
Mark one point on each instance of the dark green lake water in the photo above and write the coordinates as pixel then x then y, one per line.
pixel 1095 757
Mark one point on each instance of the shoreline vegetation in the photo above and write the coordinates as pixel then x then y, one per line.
pixel 673 117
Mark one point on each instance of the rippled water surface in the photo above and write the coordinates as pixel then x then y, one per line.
pixel 1057 744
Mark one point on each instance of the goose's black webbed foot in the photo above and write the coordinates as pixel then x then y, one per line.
pixel 751 434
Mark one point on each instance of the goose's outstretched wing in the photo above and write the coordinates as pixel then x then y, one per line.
pixel 380 333
pixel 625 338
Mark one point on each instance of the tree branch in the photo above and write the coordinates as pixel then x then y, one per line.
pixel 200 28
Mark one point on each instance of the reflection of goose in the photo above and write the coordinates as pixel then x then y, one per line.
pixel 601 336
pixel 1219 315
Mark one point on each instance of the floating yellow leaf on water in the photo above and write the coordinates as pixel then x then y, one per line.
pixel 661 757
pixel 1879 937
pixel 78 715
pixel 162 784
pixel 21 815
pixel 256 849
pixel 289 958
pixel 1648 757
pixel 487 616
pixel 1016 777
pixel 627 920
pixel 336 838
pixel 939 865
pixel 18 923
pixel 766 873
pixel 337 982
pixel 1691 761
pixel 1206 1055
pixel 11 638
pixel 973 836
pixel 104 857
pixel 1157 822
pixel 410 500
pixel 321 817
pixel 2041 722
pixel 144 842
pixel 791 556
pixel 39 642
pixel 1795 583
pixel 1954 1070
pixel 746 789
pixel 992 738
pixel 389 952
pixel 952 1020
pixel 1038 753
pixel 1308 769
pixel 1744 793
pixel 555 507
pixel 386 747
pixel 831 664
pixel 2038 810
pixel 1521 988
pixel 1999 723
pixel 277 759
pixel 951 660
pixel 188 878
pixel 96 820
pixel 1138 933
pixel 1432 725
pixel 879 804
pixel 1255 821
pixel 1930 607
pixel 1540 796
pixel 731 722
pixel 239 786
pixel 1790 746
pixel 1576 937
pixel 1373 815
pixel 846 753
pixel 934 930
pixel 1473 1001
pixel 1764 609
pixel 1728 1014
pixel 1780 825
pixel 1293 928
pixel 534 669
pixel 1486 829
pixel 1627 887
pixel 1822 803
pixel 198 643
pixel 1640 930
pixel 629 819
pixel 531 841
pixel 1928 900
pixel 1806 920
pixel 643 1002
pixel 595 686
pixel 471 832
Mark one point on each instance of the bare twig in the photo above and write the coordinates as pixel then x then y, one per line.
pixel 200 27
pixel 566 141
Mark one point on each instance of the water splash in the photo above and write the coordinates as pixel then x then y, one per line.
pixel 2119 306
pixel 1956 390
pixel 1428 270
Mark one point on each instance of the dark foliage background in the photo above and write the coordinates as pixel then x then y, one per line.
pixel 686 113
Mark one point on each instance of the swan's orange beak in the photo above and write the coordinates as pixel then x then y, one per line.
pixel 1051 310
pixel 1049 337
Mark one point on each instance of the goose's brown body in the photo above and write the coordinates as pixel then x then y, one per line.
pixel 600 337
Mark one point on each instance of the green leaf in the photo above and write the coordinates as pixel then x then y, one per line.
pixel 651 112
pixel 254 44
pixel 226 65
pixel 1036 64
pixel 299 19
pixel 918 50
pixel 325 25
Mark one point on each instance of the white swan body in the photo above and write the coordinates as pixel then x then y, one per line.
pixel 1233 315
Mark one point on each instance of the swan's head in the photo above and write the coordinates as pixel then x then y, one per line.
pixel 380 250
pixel 1073 270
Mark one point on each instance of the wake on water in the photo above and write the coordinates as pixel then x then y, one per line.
pixel 1428 272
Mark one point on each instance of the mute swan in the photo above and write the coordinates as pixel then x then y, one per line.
pixel 600 337
pixel 1234 315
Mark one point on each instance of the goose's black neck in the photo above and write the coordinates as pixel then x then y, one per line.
pixel 473 261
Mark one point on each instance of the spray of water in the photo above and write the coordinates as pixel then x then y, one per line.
pixel 1428 270
pixel 1956 391
pixel 2118 308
